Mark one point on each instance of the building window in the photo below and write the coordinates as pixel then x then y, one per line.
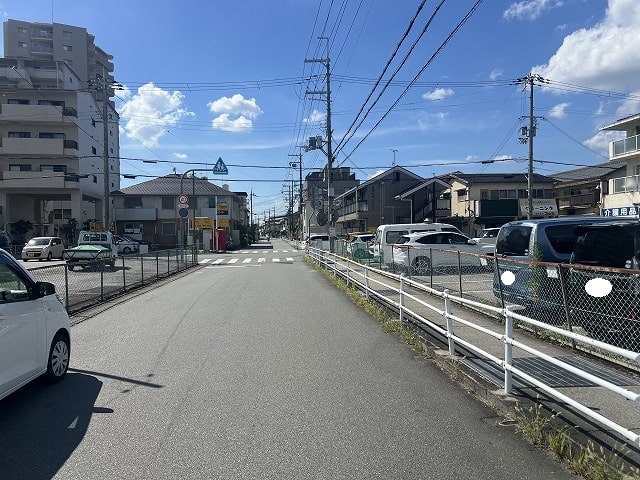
pixel 51 135
pixel 19 134
pixel 168 229
pixel 55 103
pixel 23 45
pixel 23 30
pixel 94 151
pixel 168 203
pixel 67 34
pixel 95 179
pixel 212 202
pixel 53 168
pixel 462 194
pixel 18 101
pixel 67 48
pixel 132 202
pixel 19 167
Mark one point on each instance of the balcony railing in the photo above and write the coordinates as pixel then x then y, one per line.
pixel 576 201
pixel 626 145
pixel 353 208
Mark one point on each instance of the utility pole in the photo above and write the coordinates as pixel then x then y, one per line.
pixel 327 92
pixel 529 134
pixel 299 165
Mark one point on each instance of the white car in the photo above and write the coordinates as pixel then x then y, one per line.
pixel 35 332
pixel 43 248
pixel 417 253
pixel 126 245
pixel 487 236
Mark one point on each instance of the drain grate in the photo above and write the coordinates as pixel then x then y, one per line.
pixel 549 373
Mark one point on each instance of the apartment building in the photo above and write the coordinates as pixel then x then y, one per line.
pixel 375 202
pixel 71 45
pixel 59 157
pixel 622 198
pixel 52 147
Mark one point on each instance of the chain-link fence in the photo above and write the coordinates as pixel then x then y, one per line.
pixel 98 281
pixel 603 303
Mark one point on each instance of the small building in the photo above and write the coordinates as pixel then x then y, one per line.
pixel 581 191
pixel 151 210
pixel 375 202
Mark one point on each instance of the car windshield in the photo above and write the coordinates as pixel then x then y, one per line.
pixel 513 240
pixel 39 241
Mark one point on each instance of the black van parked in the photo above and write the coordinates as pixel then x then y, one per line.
pixel 605 299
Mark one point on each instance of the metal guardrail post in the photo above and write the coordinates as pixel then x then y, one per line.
pixel 366 282
pixel 141 269
pixel 460 273
pixel 447 313
pixel 124 275
pixel 401 298
pixel 102 281
pixel 66 288
pixel 508 350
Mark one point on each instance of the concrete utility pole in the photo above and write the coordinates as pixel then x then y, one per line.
pixel 299 165
pixel 327 92
pixel 530 80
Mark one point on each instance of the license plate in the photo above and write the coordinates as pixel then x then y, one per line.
pixel 31 254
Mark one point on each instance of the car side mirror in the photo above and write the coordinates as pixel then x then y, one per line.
pixel 45 288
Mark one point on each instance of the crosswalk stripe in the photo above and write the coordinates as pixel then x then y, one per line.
pixel 248 260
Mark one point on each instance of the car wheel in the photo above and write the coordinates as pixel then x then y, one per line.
pixel 58 358
pixel 359 254
pixel 126 250
pixel 421 266
pixel 49 257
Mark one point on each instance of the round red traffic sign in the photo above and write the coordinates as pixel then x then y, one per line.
pixel 183 199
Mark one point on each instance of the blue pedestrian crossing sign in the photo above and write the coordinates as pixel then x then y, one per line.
pixel 220 168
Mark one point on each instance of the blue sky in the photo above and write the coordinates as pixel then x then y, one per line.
pixel 210 79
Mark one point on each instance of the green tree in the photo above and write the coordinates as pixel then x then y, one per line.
pixel 19 230
pixel 69 231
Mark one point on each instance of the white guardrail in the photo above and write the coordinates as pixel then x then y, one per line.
pixel 396 291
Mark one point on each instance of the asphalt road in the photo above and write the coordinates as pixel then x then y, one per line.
pixel 253 370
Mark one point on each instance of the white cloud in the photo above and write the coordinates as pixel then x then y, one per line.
pixel 605 56
pixel 600 141
pixel 529 9
pixel 225 123
pixel 438 94
pixel 181 156
pixel 316 117
pixel 148 113
pixel 235 114
pixel 559 110
pixel 495 74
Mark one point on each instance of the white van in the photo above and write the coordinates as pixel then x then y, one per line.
pixel 387 235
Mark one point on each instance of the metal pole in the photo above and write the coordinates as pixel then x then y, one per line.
pixel 531 135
